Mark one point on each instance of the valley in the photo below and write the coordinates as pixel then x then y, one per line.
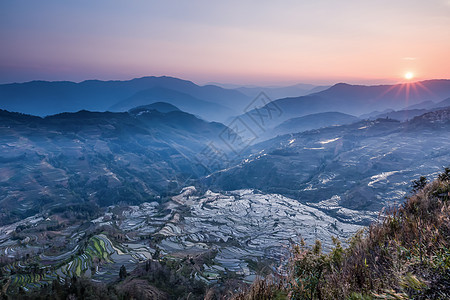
pixel 367 165
pixel 238 233
pixel 158 197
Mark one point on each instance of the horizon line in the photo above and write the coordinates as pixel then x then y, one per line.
pixel 237 85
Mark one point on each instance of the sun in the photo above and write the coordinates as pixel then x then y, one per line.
pixel 409 75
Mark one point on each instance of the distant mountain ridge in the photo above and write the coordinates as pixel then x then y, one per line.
pixel 187 103
pixel 47 98
pixel 209 101
pixel 410 111
pixel 163 107
pixel 356 99
pixel 282 92
pixel 314 121
pixel 430 104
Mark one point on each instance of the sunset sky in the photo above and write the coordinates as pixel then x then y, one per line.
pixel 246 42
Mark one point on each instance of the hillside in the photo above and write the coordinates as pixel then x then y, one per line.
pixel 314 121
pixel 101 158
pixel 186 102
pixel 353 99
pixel 409 112
pixel 403 256
pixel 162 107
pixel 362 166
pixel 282 92
pixel 86 193
pixel 430 105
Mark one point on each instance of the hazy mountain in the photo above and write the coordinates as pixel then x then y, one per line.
pixel 353 99
pixel 422 105
pixel 90 193
pixel 46 98
pixel 410 112
pixel 345 167
pixel 430 104
pixel 98 157
pixel 300 89
pixel 443 103
pixel 319 89
pixel 373 115
pixel 274 92
pixel 388 96
pixel 159 106
pixel 205 109
pixel 314 121
pixel 434 118
pixel 400 115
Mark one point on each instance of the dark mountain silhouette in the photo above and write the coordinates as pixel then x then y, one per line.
pixel 388 96
pixel 359 99
pixel 47 98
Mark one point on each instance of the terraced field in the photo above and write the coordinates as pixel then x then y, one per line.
pixel 232 231
pixel 100 253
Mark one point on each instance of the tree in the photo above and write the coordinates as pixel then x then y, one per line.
pixel 122 272
pixel 157 254
pixel 419 184
pixel 446 175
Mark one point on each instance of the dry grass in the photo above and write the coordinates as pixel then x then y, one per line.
pixel 406 255
pixel 265 289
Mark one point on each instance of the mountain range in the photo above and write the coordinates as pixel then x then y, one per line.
pixel 314 121
pixel 344 168
pixel 408 112
pixel 102 157
pixel 106 158
pixel 157 141
pixel 46 98
pixel 209 110
pixel 350 99
pixel 278 92
pixel 215 103
pixel 148 183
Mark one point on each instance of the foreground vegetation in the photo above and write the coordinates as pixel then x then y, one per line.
pixel 406 255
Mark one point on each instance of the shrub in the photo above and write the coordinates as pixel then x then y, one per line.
pixel 406 255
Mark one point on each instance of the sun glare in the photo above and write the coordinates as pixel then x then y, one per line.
pixel 409 75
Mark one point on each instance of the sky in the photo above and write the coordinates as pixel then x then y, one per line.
pixel 242 42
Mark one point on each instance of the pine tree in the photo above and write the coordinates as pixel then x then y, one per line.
pixel 419 184
pixel 122 272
